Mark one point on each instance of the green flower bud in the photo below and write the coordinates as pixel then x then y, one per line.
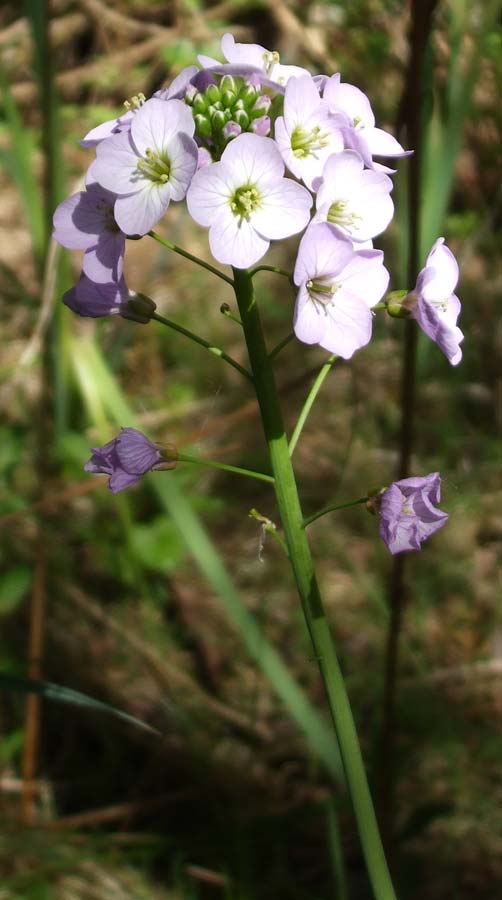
pixel 202 126
pixel 228 99
pixel 248 94
pixel 139 308
pixel 241 118
pixel 218 120
pixel 199 103
pixel 227 83
pixel 212 93
pixel 400 304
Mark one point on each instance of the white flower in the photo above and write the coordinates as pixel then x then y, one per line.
pixel 246 202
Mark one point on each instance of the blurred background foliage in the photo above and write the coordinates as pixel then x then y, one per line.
pixel 128 600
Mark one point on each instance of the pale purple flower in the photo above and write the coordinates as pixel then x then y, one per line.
pixel 433 303
pixel 306 134
pixel 125 459
pixel 407 513
pixel 246 202
pixel 350 106
pixel 337 288
pixel 176 90
pixel 89 298
pixel 85 221
pixel 257 56
pixel 355 199
pixel 149 166
pixel 110 127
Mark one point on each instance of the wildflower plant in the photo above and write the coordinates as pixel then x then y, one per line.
pixel 263 151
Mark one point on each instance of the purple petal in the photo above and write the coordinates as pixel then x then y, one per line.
pixel 90 299
pixel 136 454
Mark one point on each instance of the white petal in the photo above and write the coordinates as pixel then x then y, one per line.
pixel 253 159
pixel 116 164
pixel 310 319
pixel 235 242
pixel 156 123
pixel 285 210
pixel 323 251
pixel 348 327
pixel 183 155
pixel 209 193
pixel 366 277
pixel 381 143
pixel 445 276
pixel 139 213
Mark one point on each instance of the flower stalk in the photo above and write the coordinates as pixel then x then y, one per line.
pixel 304 574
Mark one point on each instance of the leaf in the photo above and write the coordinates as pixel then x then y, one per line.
pixel 60 694
pixel 13 587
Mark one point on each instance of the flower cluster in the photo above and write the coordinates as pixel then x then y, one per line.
pixel 261 151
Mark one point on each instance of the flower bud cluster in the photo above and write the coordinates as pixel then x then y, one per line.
pixel 225 110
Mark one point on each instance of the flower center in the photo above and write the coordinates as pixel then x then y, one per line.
pixel 155 166
pixel 305 143
pixel 135 102
pixel 270 60
pixel 322 292
pixel 245 201
pixel 340 214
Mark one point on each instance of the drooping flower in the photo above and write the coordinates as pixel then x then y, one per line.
pixel 355 199
pixel 306 134
pixel 150 165
pixel 95 299
pixel 127 457
pixel 433 303
pixel 257 56
pixel 407 513
pixel 85 221
pixel 246 202
pixel 337 289
pixel 353 113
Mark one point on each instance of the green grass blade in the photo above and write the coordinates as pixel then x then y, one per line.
pixel 98 380
pixel 17 159
pixel 60 694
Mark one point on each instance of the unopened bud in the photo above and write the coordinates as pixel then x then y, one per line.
pixel 231 130
pixel 199 102
pixel 202 126
pixel 228 99
pixel 227 83
pixel 248 93
pixel 261 126
pixel 138 307
pixel 262 103
pixel 191 93
pixel 241 118
pixel 169 455
pixel 400 304
pixel 212 93
pixel 218 119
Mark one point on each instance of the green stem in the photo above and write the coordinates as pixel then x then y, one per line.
pixel 227 312
pixel 303 570
pixel 190 256
pixel 328 509
pixel 280 346
pixel 213 464
pixel 309 402
pixel 216 351
pixel 276 269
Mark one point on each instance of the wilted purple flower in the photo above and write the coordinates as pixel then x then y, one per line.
pixel 246 202
pixel 90 298
pixel 351 107
pixel 126 458
pixel 353 198
pixel 85 221
pixel 306 135
pixel 151 165
pixel 407 513
pixel 257 56
pixel 434 305
pixel 337 288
